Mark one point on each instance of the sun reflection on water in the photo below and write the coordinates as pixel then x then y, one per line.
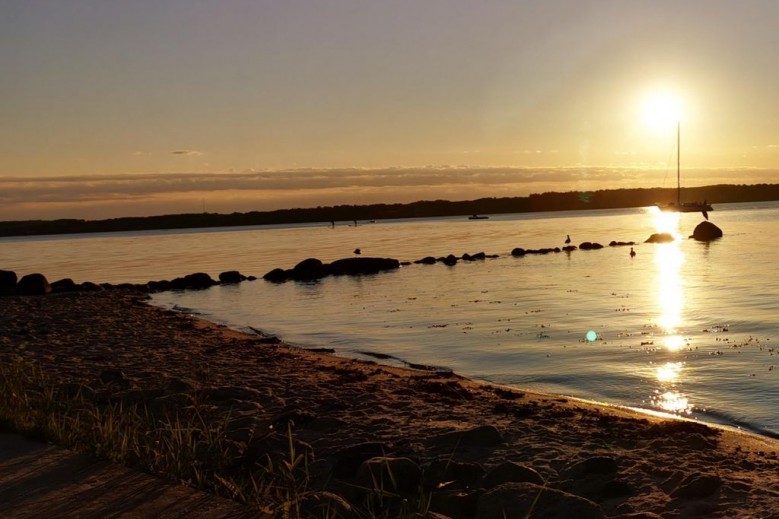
pixel 669 259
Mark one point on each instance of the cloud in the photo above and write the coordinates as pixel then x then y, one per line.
pixel 187 153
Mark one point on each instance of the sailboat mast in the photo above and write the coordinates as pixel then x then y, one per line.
pixel 678 163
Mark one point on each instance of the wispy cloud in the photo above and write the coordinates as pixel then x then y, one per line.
pixel 187 153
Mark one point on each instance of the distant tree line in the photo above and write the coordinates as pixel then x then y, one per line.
pixel 553 201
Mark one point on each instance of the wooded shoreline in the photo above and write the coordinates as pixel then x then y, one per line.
pixel 553 201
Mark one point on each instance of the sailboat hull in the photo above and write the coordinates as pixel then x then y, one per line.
pixel 685 207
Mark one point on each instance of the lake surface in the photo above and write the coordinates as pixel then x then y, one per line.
pixel 684 327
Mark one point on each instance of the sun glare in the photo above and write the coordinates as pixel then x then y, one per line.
pixel 662 110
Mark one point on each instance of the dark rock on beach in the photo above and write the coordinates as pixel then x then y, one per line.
pixel 706 231
pixel 33 285
pixel 64 285
pixel 7 282
pixel 519 251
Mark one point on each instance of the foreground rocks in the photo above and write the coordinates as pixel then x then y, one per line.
pixel 38 285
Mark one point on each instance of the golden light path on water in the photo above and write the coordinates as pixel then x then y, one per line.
pixel 670 298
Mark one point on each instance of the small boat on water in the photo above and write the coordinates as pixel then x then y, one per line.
pixel 679 206
pixel 477 217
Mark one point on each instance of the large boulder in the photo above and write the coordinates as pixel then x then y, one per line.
pixel 356 266
pixel 7 282
pixel 660 237
pixel 309 270
pixel 33 285
pixel 706 231
pixel 199 280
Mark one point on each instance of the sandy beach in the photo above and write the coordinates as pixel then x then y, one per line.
pixel 474 450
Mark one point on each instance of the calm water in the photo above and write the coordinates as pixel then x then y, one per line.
pixel 684 327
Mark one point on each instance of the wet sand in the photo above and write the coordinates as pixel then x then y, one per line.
pixel 479 449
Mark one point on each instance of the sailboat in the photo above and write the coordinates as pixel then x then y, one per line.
pixel 679 206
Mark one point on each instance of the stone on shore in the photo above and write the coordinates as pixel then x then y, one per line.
pixel 33 285
pixel 7 282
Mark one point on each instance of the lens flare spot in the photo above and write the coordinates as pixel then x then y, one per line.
pixel 591 336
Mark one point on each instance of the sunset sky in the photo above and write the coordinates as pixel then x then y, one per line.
pixel 151 107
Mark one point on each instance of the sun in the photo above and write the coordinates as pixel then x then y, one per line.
pixel 661 110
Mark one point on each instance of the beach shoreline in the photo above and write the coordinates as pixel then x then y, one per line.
pixel 470 445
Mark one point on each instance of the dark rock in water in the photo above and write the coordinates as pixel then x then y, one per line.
pixel 511 472
pixel 33 285
pixel 7 282
pixel 251 278
pixel 356 266
pixel 231 276
pixel 590 245
pixel 519 251
pixel 531 500
pixel 478 256
pixel 427 260
pixel 706 231
pixel 570 248
pixel 199 280
pixel 660 237
pixel 277 276
pixel 450 260
pixel 309 270
pixel 620 243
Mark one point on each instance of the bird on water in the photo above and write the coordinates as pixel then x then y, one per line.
pixel 567 239
pixel 357 251
pixel 632 252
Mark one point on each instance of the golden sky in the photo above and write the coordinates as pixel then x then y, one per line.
pixel 132 108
